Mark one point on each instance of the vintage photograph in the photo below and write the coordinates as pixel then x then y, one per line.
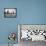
pixel 31 34
pixel 10 12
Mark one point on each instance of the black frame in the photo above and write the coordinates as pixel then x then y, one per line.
pixel 10 17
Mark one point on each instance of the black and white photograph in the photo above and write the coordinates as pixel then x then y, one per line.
pixel 31 34
pixel 10 12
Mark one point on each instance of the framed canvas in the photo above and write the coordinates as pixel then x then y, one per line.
pixel 33 32
pixel 10 12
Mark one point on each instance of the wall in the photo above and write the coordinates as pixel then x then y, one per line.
pixel 33 12
pixel 28 12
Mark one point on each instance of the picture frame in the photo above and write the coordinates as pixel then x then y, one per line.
pixel 10 12
pixel 33 30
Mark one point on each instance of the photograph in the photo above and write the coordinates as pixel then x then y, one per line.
pixel 33 32
pixel 30 34
pixel 10 12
